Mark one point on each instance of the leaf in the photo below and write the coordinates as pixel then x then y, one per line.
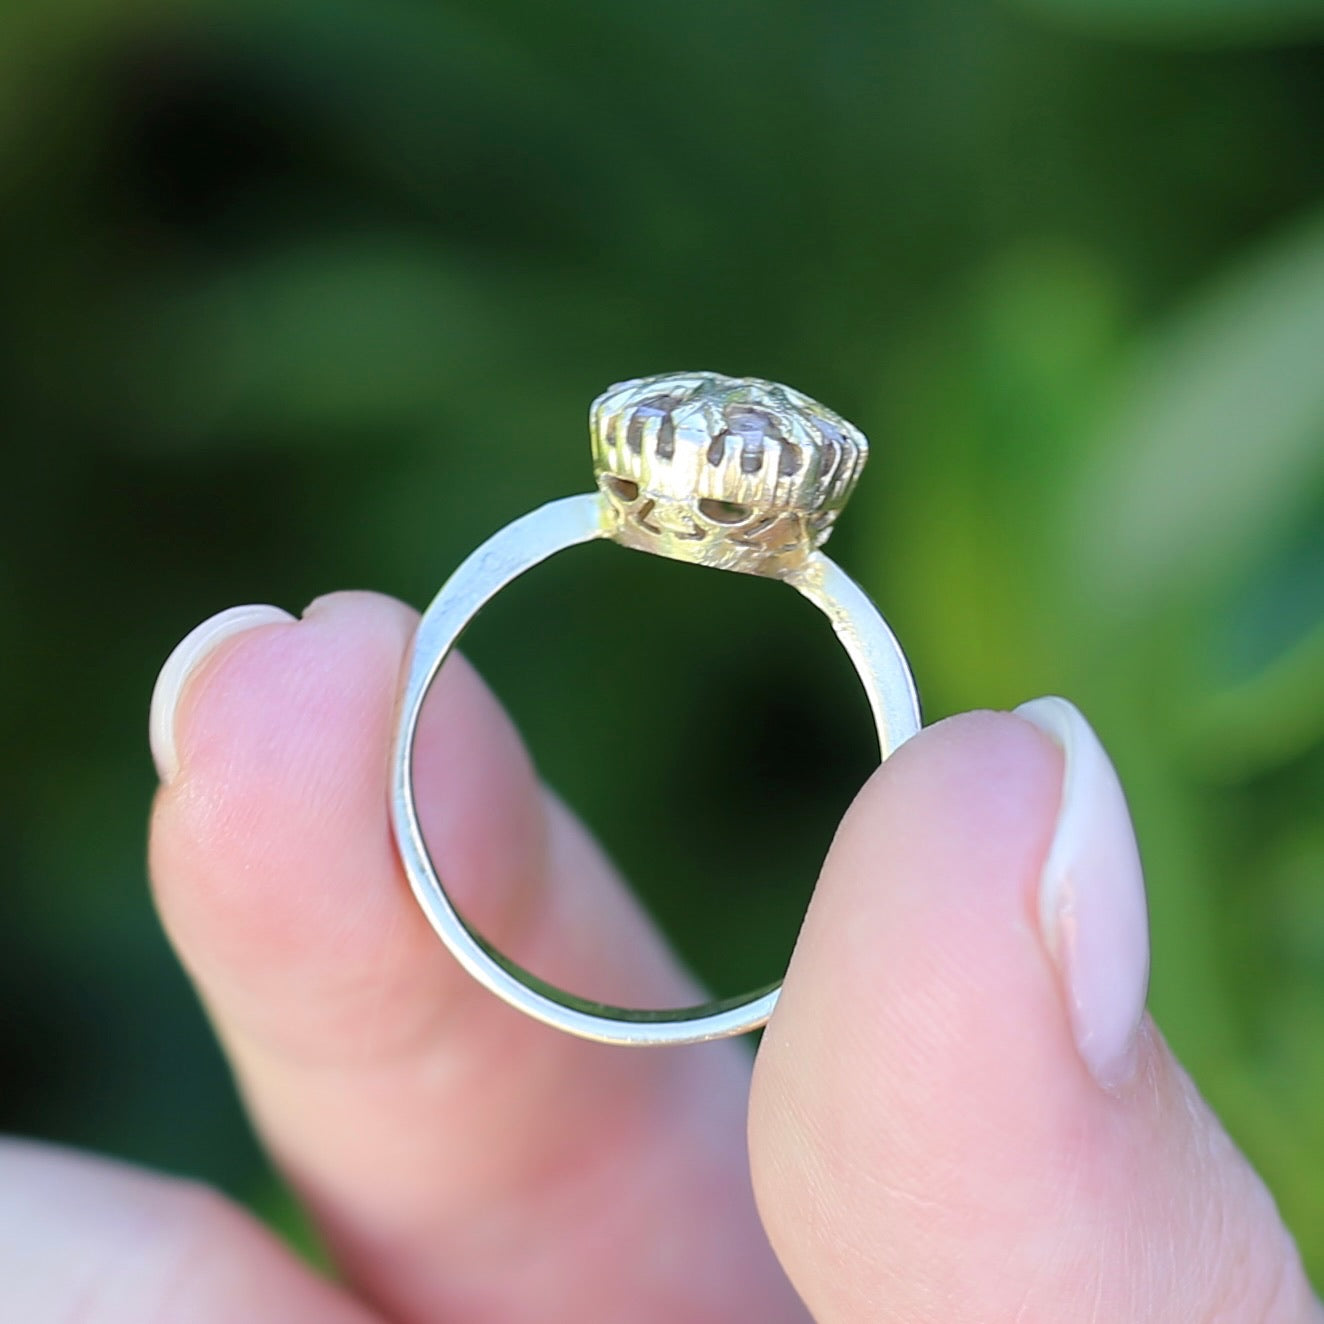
pixel 1214 445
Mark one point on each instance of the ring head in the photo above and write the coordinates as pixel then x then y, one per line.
pixel 731 472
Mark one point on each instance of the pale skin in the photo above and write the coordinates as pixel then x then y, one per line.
pixel 924 1141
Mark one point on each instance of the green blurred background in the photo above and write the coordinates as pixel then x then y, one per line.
pixel 284 286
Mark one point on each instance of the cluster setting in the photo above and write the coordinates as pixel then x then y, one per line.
pixel 731 472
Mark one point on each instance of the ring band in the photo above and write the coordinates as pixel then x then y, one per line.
pixel 730 472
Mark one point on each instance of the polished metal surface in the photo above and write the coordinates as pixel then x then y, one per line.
pixel 777 534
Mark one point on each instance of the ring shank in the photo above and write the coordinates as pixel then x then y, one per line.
pixel 505 556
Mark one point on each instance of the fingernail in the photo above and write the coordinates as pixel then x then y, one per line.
pixel 190 653
pixel 1092 898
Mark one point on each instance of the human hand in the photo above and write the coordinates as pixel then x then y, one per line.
pixel 958 1113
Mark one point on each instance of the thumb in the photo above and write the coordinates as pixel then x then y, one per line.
pixel 961 1114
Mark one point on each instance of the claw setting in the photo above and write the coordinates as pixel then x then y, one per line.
pixel 732 472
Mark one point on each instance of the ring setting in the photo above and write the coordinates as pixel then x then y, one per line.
pixel 734 473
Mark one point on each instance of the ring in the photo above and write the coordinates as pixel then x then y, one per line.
pixel 730 472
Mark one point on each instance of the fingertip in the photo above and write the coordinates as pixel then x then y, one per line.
pixel 182 667
pixel 271 847
pixel 269 739
pixel 960 816
pixel 914 1056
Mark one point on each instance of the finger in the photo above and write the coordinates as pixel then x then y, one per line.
pixel 960 1114
pixel 90 1240
pixel 465 1162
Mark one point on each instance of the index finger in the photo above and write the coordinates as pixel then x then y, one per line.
pixel 465 1162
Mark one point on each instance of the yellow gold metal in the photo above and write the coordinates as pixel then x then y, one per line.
pixel 731 472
